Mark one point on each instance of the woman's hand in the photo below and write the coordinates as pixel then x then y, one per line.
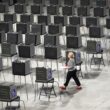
pixel 66 67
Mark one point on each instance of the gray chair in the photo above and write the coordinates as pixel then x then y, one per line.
pixel 55 29
pixel 96 32
pixel 25 18
pixel 20 8
pixel 94 48
pixel 10 95
pixel 44 76
pixel 14 38
pixel 42 19
pixel 37 9
pixel 6 26
pixel 101 3
pixel 55 2
pixel 72 30
pixel 69 2
pixel 26 51
pixel 92 21
pixel 68 10
pixel 86 3
pixel 32 38
pixel 22 68
pixel 60 20
pixel 9 2
pixel 74 42
pixel 75 20
pixel 10 18
pixel 38 28
pixel 8 50
pixel 100 11
pixel 4 8
pixel 22 27
pixel 53 10
pixel 51 40
pixel 21 1
pixel 39 2
pixel 2 37
pixel 52 53
pixel 83 11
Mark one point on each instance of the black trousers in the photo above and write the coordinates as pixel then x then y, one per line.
pixel 72 74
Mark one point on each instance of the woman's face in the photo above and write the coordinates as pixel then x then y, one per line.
pixel 70 55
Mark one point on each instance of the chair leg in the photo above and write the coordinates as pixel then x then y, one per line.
pixel 2 105
pixel 36 91
pixel 31 77
pixel 26 87
pixel 41 90
pixel 37 62
pixel 45 62
pixel 49 94
pixel 58 70
pixel 14 79
pixel 7 104
pixel 51 64
pixel 86 60
pixel 0 75
pixel 20 84
pixel 91 61
pixel 2 72
pixel 54 90
pixel 58 88
pixel 102 60
pixel 7 62
pixel 10 105
pixel 23 104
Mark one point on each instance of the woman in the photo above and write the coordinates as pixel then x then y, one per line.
pixel 71 72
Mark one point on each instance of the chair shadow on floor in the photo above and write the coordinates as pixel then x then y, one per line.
pixel 92 75
pixel 68 94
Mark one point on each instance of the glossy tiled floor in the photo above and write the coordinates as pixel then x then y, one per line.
pixel 95 94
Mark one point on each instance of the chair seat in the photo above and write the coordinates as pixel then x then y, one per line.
pixel 8 55
pixel 15 99
pixel 49 81
pixel 97 60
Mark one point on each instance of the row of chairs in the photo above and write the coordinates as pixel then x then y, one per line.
pixel 12 2
pixel 51 29
pixel 23 69
pixel 64 20
pixel 101 3
pixel 51 39
pixel 52 52
pixel 55 10
pixel 73 38
pixel 66 10
pixel 27 48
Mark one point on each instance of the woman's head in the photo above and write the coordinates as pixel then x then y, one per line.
pixel 70 55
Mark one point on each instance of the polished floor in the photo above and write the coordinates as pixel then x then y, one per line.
pixel 95 94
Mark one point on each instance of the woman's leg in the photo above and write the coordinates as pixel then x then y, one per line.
pixel 69 75
pixel 76 78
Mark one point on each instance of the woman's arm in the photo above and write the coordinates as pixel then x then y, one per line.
pixel 71 64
